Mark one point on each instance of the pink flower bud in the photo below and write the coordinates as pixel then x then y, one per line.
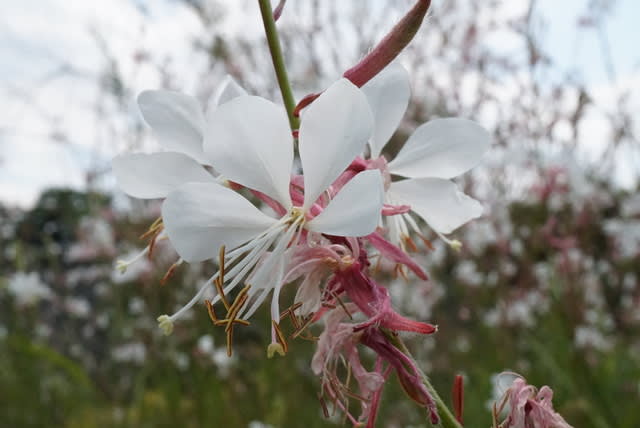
pixel 389 48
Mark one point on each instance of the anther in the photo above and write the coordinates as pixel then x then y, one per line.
pixel 166 324
pixel 233 311
pixel 170 272
pixel 344 307
pixel 280 338
pixel 218 283
pixel 306 322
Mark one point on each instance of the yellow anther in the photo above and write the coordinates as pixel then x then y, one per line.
pixel 455 245
pixel 273 348
pixel 122 265
pixel 166 324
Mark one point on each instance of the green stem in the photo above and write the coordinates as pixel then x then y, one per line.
pixel 278 61
pixel 447 420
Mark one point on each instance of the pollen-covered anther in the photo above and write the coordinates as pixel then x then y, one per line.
pixel 232 313
pixel 400 271
pixel 232 309
pixel 300 324
pixel 155 228
pixel 341 264
pixel 302 328
pixel 341 303
pixel 409 243
pixel 170 272
pixel 221 322
pixel 122 265
pixel 346 261
pixel 456 245
pixel 279 345
pixel 166 324
pixel 274 348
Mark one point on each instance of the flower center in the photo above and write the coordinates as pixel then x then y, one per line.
pixel 296 215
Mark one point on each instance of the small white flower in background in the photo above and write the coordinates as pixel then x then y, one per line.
pixel 181 360
pixel 586 336
pixel 205 344
pixel 130 353
pixel 28 288
pixel 222 361
pixel 218 356
pixel 631 206
pixel 96 238
pixel 258 424
pixel 78 307
pixel 136 306
pixel 436 152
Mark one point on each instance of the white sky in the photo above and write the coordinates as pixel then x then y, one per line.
pixel 38 35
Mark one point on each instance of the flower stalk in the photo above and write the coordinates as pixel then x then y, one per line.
pixel 447 419
pixel 279 66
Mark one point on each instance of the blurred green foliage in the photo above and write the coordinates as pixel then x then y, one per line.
pixel 59 367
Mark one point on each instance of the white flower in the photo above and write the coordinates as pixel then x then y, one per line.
pixel 436 152
pixel 130 352
pixel 249 141
pixel 27 288
pixel 78 307
pixel 177 121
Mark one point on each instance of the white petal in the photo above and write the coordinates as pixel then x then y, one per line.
pixel 442 148
pixel 176 119
pixel 437 201
pixel 154 175
pixel 355 210
pixel 388 94
pixel 228 90
pixel 334 130
pixel 201 217
pixel 249 141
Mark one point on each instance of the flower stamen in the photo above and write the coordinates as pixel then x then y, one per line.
pixel 278 344
pixel 155 227
pixel 171 271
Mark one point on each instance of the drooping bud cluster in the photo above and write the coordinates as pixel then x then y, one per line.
pixel 526 406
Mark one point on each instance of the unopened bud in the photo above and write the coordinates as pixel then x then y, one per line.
pixel 389 48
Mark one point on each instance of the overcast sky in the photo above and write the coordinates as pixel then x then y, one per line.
pixel 36 36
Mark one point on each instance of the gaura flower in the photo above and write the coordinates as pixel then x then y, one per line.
pixel 177 121
pixel 249 141
pixel 436 152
